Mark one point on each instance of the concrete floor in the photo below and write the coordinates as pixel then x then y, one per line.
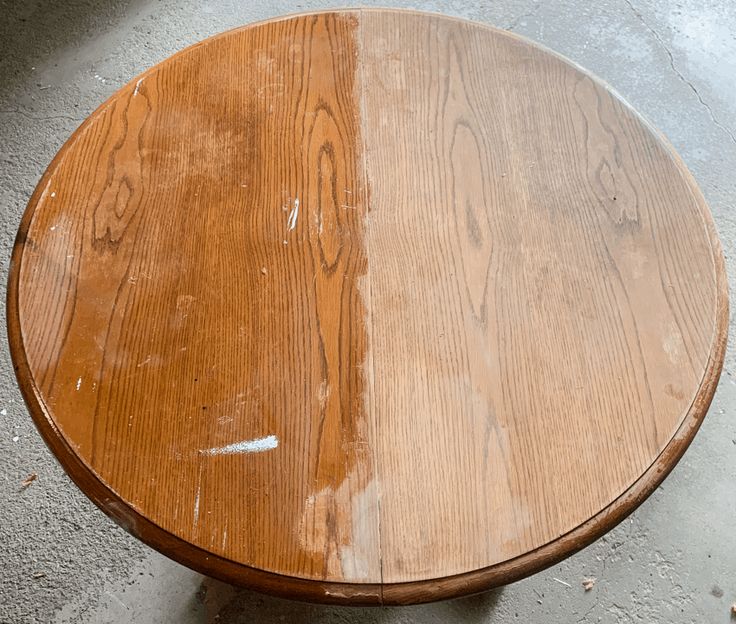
pixel 673 561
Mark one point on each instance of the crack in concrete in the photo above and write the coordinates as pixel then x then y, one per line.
pixel 48 118
pixel 678 73
pixel 586 614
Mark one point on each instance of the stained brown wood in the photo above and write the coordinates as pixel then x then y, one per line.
pixel 367 307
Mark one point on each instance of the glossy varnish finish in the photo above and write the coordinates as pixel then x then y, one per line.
pixel 368 306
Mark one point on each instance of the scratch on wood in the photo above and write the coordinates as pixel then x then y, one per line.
pixel 293 215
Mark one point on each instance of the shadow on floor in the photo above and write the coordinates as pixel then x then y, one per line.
pixel 225 604
pixel 57 37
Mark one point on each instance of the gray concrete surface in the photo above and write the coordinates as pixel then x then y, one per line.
pixel 673 561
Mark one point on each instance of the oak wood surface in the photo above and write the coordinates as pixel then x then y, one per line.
pixel 367 306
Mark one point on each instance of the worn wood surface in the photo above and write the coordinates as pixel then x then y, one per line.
pixel 367 306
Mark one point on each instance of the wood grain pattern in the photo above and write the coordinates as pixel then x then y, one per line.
pixel 324 307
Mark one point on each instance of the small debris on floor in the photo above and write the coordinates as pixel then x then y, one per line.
pixel 16 438
pixel 716 591
pixel 588 584
pixel 733 610
pixel 39 575
pixel 263 270
pixel 561 582
pixel 3 412
pixel 28 480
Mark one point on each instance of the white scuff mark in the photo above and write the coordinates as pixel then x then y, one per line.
pixel 196 498
pixel 350 596
pixel 258 445
pixel 53 227
pixel 561 582
pixel 79 384
pixel 137 87
pixel 673 345
pixel 144 362
pixel 224 538
pixel 353 557
pixel 323 393
pixel 196 509
pixel 46 191
pixel 293 215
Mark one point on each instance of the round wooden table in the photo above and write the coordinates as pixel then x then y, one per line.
pixel 367 307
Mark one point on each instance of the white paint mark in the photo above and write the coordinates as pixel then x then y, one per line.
pixel 224 538
pixel 53 194
pixel 562 582
pixel 52 228
pixel 293 215
pixel 79 384
pixel 137 87
pixel 258 445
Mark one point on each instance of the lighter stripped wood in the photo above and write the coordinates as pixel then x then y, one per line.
pixel 547 291
pixel 368 299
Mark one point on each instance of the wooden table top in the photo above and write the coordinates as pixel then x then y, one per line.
pixel 367 306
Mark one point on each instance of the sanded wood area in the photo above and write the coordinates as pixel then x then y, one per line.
pixel 367 307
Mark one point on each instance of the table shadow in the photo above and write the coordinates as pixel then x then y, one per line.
pixel 226 604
